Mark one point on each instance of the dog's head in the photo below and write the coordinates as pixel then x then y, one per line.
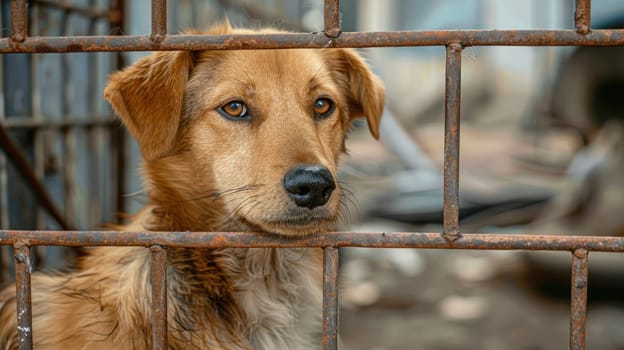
pixel 257 134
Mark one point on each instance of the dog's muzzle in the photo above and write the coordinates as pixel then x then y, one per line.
pixel 309 186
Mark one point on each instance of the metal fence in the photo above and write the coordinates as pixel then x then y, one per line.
pixel 332 36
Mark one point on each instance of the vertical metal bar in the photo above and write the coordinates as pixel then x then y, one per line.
pixel 452 106
pixel 69 136
pixel 18 20
pixel 332 18
pixel 38 253
pixel 22 295
pixel 159 298
pixel 582 16
pixel 578 299
pixel 159 19
pixel 330 298
pixel 4 187
pixel 93 135
pixel 117 134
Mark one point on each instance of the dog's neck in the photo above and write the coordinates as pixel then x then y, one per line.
pixel 272 296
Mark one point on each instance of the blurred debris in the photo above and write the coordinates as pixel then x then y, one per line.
pixel 474 268
pixel 459 308
pixel 589 88
pixel 590 203
pixel 360 295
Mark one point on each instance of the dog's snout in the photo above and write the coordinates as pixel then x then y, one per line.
pixel 309 185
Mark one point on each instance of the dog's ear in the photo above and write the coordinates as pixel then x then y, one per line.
pixel 148 97
pixel 364 89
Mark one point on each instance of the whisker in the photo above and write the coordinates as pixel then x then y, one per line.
pixel 214 194
pixel 348 202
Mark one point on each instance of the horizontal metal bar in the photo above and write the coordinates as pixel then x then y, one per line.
pixel 333 239
pixel 23 296
pixel 330 299
pixel 38 123
pixel 578 299
pixel 607 37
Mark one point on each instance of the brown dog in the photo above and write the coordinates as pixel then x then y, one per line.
pixel 232 141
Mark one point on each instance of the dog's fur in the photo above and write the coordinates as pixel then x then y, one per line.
pixel 206 173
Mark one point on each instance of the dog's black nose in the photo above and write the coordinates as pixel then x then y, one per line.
pixel 309 185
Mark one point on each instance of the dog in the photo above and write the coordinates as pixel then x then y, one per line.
pixel 231 141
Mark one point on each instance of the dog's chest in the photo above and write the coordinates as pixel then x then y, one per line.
pixel 279 292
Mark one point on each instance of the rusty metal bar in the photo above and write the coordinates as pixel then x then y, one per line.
pixel 159 298
pixel 118 135
pixel 578 299
pixel 22 295
pixel 19 19
pixel 330 298
pixel 452 107
pixel 606 37
pixel 332 239
pixel 159 20
pixel 582 16
pixel 69 137
pixel 25 170
pixel 332 18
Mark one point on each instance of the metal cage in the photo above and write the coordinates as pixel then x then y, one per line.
pixel 331 36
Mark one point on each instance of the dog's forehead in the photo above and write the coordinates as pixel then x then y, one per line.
pixel 269 66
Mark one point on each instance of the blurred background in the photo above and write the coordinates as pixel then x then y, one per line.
pixel 541 152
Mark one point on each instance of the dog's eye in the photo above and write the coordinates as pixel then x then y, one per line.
pixel 234 110
pixel 323 107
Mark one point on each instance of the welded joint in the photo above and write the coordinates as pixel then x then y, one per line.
pixel 17 39
pixel 455 46
pixel 452 235
pixel 20 257
pixel 332 33
pixel 156 248
pixel 581 253
pixel 157 38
